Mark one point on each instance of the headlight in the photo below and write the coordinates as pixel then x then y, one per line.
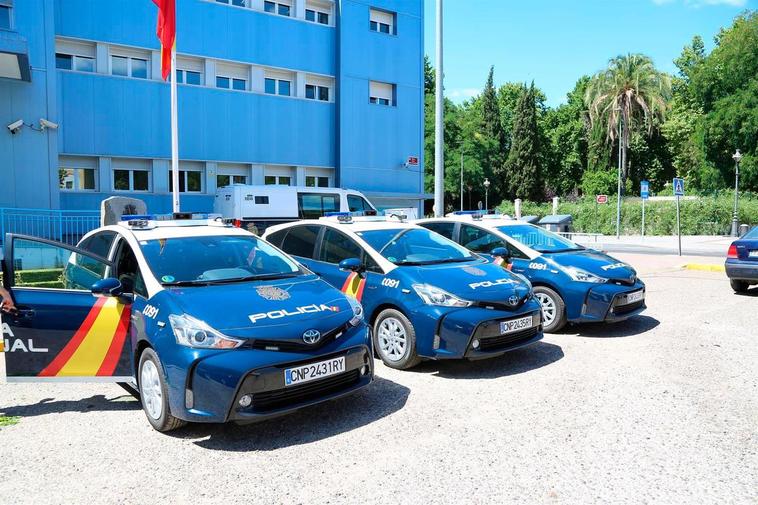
pixel 432 295
pixel 580 275
pixel 192 332
pixel 357 311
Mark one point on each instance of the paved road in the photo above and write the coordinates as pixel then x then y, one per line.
pixel 693 245
pixel 661 409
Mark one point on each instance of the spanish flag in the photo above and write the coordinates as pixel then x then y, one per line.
pixel 166 32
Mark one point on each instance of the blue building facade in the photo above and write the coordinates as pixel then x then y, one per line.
pixel 299 92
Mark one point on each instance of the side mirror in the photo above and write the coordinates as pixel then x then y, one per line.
pixel 109 287
pixel 352 265
pixel 501 252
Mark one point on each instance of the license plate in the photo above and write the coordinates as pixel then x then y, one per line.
pixel 519 324
pixel 753 254
pixel 634 297
pixel 313 371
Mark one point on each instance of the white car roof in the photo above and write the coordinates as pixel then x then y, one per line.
pixel 179 231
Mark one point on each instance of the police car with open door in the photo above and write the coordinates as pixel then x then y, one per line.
pixel 426 296
pixel 573 283
pixel 211 322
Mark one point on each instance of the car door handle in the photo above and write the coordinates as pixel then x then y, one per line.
pixel 23 313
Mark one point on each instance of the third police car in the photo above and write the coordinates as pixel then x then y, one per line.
pixel 573 283
pixel 426 296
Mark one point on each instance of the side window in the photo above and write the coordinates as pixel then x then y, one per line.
pixel 42 265
pixel 515 252
pixel 357 204
pixel 337 246
pixel 315 205
pixel 371 265
pixel 128 272
pixel 99 243
pixel 301 241
pixel 276 238
pixel 444 229
pixel 478 240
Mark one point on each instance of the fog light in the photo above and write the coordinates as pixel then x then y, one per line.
pixel 246 401
pixel 364 370
pixel 475 344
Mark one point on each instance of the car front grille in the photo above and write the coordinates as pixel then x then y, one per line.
pixel 501 342
pixel 625 309
pixel 279 398
pixel 295 345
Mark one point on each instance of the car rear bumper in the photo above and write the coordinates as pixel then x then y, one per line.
pixel 742 270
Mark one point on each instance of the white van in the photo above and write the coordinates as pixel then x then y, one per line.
pixel 258 207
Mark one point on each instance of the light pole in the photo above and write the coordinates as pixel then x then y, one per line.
pixel 735 218
pixel 618 194
pixel 439 125
pixel 486 194
pixel 461 209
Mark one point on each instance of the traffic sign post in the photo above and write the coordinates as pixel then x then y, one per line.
pixel 678 191
pixel 601 199
pixel 645 194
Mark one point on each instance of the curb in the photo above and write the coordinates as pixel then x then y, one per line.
pixel 705 267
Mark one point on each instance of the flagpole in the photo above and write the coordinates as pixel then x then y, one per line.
pixel 174 134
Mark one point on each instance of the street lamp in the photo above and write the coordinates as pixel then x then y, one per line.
pixel 486 193
pixel 737 156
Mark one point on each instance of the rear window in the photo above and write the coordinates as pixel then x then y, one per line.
pixel 752 233
pixel 444 229
pixel 301 241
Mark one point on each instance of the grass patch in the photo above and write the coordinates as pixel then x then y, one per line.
pixel 8 420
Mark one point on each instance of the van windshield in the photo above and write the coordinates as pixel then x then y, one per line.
pixel 415 246
pixel 215 259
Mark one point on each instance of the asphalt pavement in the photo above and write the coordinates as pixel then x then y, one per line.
pixel 692 245
pixel 660 409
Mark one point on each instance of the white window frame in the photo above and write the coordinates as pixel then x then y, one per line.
pixel 278 179
pixel 376 93
pixel 316 181
pixel 185 64
pixel 183 173
pixel 232 71
pixel 380 17
pixel 75 169
pixel 78 51
pixel 131 171
pixel 129 54
pixel 232 171
pixel 277 3
pixel 278 77
pixel 9 7
pixel 326 8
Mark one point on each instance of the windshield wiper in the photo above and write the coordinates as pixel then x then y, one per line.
pixel 186 283
pixel 249 278
pixel 433 262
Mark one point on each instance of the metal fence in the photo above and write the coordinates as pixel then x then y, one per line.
pixel 66 226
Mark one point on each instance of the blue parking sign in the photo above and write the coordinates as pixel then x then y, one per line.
pixel 678 186
pixel 644 190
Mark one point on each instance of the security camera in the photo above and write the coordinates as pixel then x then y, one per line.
pixel 44 123
pixel 16 126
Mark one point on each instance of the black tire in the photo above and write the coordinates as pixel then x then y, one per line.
pixel 409 358
pixel 559 320
pixel 739 286
pixel 165 421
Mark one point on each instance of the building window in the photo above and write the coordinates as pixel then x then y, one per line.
pixel 125 179
pixel 381 93
pixel 77 179
pixel 74 62
pixel 128 66
pixel 188 77
pixel 313 181
pixel 317 16
pixel 382 21
pixel 236 3
pixel 231 83
pixel 190 181
pixel 228 180
pixel 5 17
pixel 277 8
pixel 278 87
pixel 280 180
pixel 312 91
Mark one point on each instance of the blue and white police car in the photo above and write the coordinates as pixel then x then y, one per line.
pixel 212 323
pixel 425 296
pixel 572 283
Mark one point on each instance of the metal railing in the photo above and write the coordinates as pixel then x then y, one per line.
pixel 66 226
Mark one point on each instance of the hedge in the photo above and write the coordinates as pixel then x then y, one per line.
pixel 705 215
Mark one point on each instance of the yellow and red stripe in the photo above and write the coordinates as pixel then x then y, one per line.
pixel 354 285
pixel 501 263
pixel 96 347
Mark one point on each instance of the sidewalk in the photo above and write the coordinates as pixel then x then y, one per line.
pixel 692 245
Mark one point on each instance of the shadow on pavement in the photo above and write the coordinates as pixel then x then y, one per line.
pixel 95 403
pixel 629 328
pixel 514 362
pixel 380 399
pixel 750 292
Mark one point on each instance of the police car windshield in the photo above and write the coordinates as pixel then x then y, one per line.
pixel 415 246
pixel 215 259
pixel 539 239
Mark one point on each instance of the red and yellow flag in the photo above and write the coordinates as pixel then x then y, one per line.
pixel 354 285
pixel 166 32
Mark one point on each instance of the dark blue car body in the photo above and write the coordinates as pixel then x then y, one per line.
pixel 742 261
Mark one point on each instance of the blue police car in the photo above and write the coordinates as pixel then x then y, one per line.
pixel 742 261
pixel 212 323
pixel 571 282
pixel 425 296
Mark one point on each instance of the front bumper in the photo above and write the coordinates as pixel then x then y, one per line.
pixel 742 270
pixel 607 303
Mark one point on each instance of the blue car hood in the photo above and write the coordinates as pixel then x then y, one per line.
pixel 478 281
pixel 268 310
pixel 596 263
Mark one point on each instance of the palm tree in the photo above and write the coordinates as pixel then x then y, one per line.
pixel 629 91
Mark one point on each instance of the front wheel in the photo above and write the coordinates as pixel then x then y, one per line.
pixel 395 340
pixel 154 393
pixel 739 286
pixel 553 309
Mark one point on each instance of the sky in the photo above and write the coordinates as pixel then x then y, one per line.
pixel 554 42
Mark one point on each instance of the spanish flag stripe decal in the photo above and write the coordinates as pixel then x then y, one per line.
pixel 55 366
pixel 353 286
pixel 117 344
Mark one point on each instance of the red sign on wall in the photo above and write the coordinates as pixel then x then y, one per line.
pixel 412 161
pixel 601 199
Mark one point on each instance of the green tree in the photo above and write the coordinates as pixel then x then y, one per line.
pixel 630 92
pixel 429 77
pixel 522 167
